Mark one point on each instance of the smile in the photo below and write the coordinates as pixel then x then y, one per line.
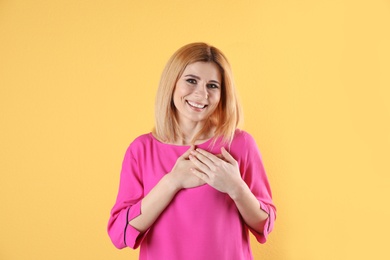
pixel 196 105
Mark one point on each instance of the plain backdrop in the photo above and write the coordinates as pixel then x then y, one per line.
pixel 77 85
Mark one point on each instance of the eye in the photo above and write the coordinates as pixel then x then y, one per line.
pixel 211 85
pixel 191 81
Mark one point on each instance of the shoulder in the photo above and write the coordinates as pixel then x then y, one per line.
pixel 140 143
pixel 142 139
pixel 245 150
pixel 244 144
pixel 242 137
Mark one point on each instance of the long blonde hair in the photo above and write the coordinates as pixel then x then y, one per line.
pixel 226 117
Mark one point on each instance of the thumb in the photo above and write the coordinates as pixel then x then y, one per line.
pixel 227 156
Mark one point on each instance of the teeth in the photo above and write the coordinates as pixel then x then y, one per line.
pixel 196 105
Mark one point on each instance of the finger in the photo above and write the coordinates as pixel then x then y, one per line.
pixel 229 158
pixel 188 152
pixel 200 175
pixel 199 164
pixel 203 159
pixel 211 157
pixel 220 156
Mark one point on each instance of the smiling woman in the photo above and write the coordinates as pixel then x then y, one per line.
pixel 196 177
pixel 196 96
pixel 228 110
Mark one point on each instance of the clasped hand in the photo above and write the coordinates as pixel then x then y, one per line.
pixel 181 175
pixel 219 171
pixel 198 167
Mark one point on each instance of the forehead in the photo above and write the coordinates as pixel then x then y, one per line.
pixel 205 70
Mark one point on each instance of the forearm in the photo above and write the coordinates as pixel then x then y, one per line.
pixel 154 203
pixel 249 207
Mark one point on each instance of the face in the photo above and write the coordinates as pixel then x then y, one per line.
pixel 197 92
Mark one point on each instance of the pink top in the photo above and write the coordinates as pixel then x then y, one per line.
pixel 199 223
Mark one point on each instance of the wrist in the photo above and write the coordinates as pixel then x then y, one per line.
pixel 238 191
pixel 171 183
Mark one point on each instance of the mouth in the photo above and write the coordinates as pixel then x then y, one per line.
pixel 196 105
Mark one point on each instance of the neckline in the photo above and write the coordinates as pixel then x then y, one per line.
pixel 205 143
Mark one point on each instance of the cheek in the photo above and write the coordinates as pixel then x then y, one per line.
pixel 216 97
pixel 179 97
pixel 176 92
pixel 176 100
pixel 180 92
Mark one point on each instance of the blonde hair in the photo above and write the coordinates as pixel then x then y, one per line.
pixel 226 117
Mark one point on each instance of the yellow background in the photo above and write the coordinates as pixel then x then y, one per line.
pixel 77 85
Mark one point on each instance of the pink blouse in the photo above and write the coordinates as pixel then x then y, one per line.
pixel 199 223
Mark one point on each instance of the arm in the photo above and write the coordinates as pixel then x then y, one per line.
pixel 127 205
pixel 249 207
pixel 223 174
pixel 133 213
pixel 154 203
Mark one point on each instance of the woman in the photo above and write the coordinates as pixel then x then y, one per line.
pixel 193 187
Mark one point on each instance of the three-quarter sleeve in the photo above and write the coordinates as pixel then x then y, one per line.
pixel 127 205
pixel 255 176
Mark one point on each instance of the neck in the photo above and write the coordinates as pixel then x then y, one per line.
pixel 189 131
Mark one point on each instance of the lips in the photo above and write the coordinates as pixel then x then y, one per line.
pixel 196 105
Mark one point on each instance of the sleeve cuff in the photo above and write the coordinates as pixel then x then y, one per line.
pixel 132 237
pixel 268 225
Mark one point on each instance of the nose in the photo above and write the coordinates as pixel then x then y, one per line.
pixel 201 90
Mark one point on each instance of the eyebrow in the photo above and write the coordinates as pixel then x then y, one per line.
pixel 198 78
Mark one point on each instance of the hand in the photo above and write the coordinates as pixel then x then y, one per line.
pixel 219 171
pixel 181 174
